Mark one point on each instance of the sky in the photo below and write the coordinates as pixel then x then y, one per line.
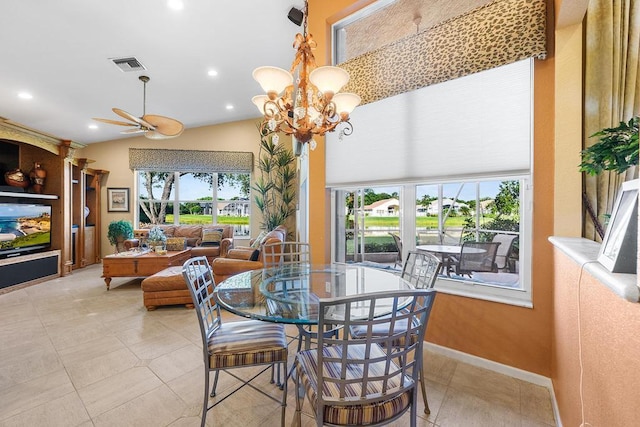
pixel 193 189
pixel 487 189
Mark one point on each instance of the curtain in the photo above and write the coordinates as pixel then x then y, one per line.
pixel 612 90
pixel 151 159
pixel 483 119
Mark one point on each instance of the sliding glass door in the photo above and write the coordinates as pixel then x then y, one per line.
pixel 364 221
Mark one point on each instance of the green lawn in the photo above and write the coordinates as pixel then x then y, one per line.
pixel 206 219
pixel 421 221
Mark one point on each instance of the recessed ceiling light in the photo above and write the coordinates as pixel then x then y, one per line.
pixel 25 95
pixel 229 107
pixel 92 126
pixel 175 4
pixel 212 73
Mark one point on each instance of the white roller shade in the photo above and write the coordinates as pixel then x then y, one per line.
pixel 477 125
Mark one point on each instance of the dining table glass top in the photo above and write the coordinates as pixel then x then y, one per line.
pixel 291 294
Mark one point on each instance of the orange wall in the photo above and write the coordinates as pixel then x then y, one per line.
pixel 515 336
pixel 607 327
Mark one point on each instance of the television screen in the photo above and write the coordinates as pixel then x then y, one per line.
pixel 24 227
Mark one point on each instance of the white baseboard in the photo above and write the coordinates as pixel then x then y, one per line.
pixel 501 369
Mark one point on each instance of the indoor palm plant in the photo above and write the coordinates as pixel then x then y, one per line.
pixel 275 186
pixel 118 232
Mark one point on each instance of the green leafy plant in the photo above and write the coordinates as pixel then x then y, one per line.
pixel 275 187
pixel 119 231
pixel 616 151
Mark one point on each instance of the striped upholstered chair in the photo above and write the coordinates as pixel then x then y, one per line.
pixel 367 380
pixel 233 344
pixel 421 270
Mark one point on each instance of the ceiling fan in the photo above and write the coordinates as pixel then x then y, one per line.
pixel 153 126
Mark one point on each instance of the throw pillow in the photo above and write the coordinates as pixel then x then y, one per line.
pixel 192 241
pixel 258 240
pixel 211 236
pixel 176 243
pixel 255 255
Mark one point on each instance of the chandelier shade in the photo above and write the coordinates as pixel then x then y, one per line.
pixel 310 106
pixel 260 101
pixel 329 79
pixel 346 102
pixel 273 79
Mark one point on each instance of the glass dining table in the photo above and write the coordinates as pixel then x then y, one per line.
pixel 291 294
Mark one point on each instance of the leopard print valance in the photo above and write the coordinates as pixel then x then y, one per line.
pixel 190 160
pixel 499 33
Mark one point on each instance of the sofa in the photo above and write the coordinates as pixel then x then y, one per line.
pixel 190 236
pixel 245 258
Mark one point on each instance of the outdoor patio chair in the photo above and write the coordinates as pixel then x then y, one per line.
pixel 504 250
pixel 474 257
pixel 398 242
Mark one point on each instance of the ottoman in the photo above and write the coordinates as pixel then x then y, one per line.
pixel 166 287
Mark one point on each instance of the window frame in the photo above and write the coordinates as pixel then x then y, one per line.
pixel 407 219
pixel 176 200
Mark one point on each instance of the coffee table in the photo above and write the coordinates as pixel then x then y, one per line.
pixel 140 264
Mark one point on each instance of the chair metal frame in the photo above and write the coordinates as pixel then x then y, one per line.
pixel 346 372
pixel 278 254
pixel 421 270
pixel 199 278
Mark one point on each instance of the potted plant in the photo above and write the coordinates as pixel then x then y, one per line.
pixel 617 151
pixel 156 238
pixel 118 232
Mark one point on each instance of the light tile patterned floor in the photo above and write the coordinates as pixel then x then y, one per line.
pixel 74 354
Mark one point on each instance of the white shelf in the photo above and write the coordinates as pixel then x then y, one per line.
pixel 28 195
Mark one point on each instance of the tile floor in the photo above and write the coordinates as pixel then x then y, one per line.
pixel 74 354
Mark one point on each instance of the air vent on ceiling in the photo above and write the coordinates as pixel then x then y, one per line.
pixel 128 64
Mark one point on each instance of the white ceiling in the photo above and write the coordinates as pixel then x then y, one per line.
pixel 59 52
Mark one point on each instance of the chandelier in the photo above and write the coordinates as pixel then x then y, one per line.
pixel 313 105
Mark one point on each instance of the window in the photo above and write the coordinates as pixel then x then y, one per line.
pixel 192 198
pixel 448 149
pixel 492 210
pixel 368 218
pixel 450 214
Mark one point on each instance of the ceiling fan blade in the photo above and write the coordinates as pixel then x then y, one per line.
pixel 132 131
pixel 154 134
pixel 114 122
pixel 133 118
pixel 164 125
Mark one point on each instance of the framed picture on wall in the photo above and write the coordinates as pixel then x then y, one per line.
pixel 618 252
pixel 117 199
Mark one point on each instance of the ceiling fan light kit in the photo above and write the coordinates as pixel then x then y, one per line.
pixel 151 125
